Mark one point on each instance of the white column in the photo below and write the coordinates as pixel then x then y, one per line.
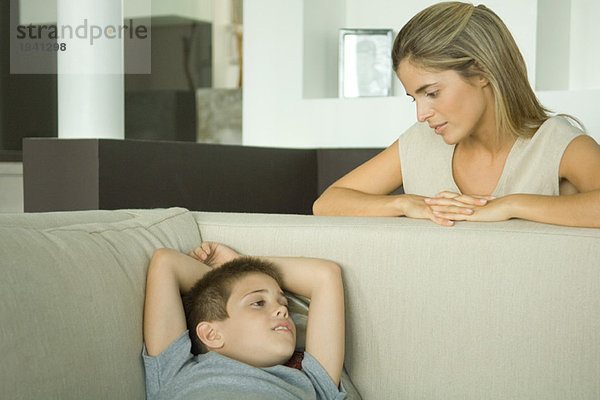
pixel 584 46
pixel 553 44
pixel 90 69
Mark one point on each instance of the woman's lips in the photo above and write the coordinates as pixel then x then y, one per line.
pixel 439 129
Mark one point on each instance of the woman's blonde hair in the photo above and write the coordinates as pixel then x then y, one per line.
pixel 473 41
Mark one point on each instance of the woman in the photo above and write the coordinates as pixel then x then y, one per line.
pixel 484 148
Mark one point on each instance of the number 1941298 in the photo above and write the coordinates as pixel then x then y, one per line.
pixel 43 46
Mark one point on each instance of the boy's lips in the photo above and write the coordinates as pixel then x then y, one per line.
pixel 283 326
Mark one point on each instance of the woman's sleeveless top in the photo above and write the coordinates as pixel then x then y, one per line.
pixel 531 166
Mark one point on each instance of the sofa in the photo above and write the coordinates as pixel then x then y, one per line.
pixel 478 311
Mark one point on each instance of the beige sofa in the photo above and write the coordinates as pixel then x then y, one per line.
pixel 478 311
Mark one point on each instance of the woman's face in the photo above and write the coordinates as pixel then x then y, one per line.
pixel 456 108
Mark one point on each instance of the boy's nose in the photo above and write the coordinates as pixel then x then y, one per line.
pixel 281 311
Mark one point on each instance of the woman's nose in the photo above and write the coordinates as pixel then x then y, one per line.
pixel 424 112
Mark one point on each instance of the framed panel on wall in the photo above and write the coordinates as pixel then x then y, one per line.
pixel 365 65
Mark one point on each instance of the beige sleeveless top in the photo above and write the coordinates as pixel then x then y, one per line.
pixel 531 166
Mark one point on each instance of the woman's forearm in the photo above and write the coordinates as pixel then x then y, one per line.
pixel 343 201
pixel 582 209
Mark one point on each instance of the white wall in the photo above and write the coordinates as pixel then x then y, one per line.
pixel 281 108
pixel 275 110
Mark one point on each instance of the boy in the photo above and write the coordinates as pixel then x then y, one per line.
pixel 237 316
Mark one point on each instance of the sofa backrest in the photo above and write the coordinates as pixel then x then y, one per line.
pixel 505 310
pixel 71 300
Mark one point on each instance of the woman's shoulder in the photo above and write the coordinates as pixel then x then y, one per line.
pixel 551 139
pixel 559 126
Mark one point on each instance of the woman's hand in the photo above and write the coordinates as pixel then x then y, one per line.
pixel 213 254
pixel 415 206
pixel 460 207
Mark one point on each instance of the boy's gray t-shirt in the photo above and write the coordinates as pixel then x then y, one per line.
pixel 177 374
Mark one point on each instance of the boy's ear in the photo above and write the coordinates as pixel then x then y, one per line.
pixel 210 335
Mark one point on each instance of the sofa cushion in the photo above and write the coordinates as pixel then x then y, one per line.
pixel 71 299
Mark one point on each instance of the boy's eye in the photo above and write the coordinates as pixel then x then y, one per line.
pixel 432 94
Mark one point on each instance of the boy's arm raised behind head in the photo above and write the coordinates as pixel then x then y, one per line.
pixel 321 281
pixel 170 273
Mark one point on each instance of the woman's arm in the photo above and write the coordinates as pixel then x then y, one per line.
pixel 365 192
pixel 582 210
pixel 580 165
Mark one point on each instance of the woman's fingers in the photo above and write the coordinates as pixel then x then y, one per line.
pixel 451 216
pixel 450 198
pixel 451 209
pixel 442 202
pixel 442 221
pixel 462 197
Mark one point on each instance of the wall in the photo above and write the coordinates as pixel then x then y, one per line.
pixel 568 78
pixel 283 108
pixel 275 112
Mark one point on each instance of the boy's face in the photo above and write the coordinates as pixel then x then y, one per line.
pixel 259 330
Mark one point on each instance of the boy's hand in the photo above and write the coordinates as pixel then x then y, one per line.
pixel 213 254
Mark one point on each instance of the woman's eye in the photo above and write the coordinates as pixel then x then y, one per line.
pixel 432 94
pixel 259 303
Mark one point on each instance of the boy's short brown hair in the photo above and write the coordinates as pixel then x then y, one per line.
pixel 207 299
